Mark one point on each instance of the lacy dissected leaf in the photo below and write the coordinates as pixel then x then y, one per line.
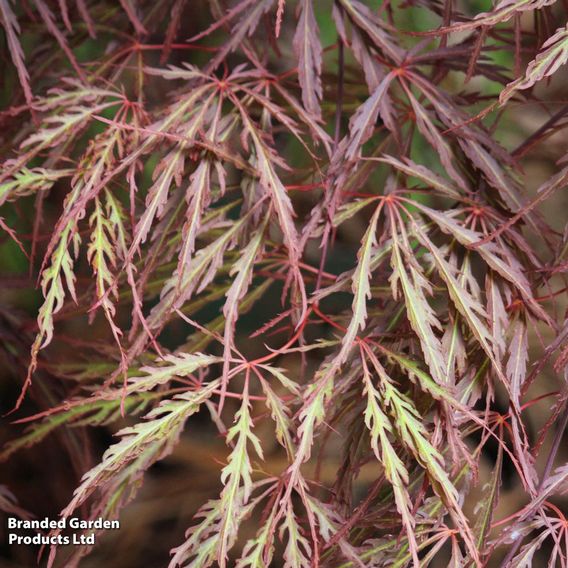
pixel 66 235
pixel 553 54
pixel 362 123
pixel 502 12
pixel 312 413
pixel 198 198
pixel 319 233
pixel 298 552
pixel 525 558
pixel 469 307
pixel 308 49
pixel 282 204
pixel 243 271
pixel 236 475
pixel 504 9
pixel 363 53
pixel 425 175
pixel 12 30
pixel 497 313
pixel 279 409
pixel 435 138
pixel 171 168
pixel 176 365
pixel 413 435
pixel 59 127
pixel 29 181
pixel 373 27
pixel 381 429
pixel 101 254
pixel 487 505
pixel 201 272
pixel 483 152
pixel 93 413
pixel 204 539
pixel 318 132
pixel 555 483
pixel 361 288
pixel 496 254
pixel 154 438
pixel 329 521
pixel 58 275
pixel 281 415
pixel 49 21
pixel 259 551
pixel 518 355
pixel 421 316
pixel 86 186
pixel 252 12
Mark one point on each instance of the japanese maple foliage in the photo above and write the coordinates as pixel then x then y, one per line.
pixel 335 238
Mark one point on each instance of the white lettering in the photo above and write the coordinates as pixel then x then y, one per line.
pixel 98 524
pixel 84 539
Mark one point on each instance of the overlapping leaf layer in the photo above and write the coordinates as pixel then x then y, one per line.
pixel 307 217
